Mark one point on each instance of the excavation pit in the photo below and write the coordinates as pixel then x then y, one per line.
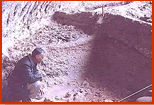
pixel 87 61
pixel 120 55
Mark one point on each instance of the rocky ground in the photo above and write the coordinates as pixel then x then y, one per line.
pixel 90 57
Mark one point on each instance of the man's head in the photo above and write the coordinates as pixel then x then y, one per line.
pixel 38 54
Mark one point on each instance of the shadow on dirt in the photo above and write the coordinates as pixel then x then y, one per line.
pixel 115 62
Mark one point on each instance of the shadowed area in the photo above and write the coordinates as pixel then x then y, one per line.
pixel 120 59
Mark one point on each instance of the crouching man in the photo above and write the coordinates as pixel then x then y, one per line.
pixel 25 81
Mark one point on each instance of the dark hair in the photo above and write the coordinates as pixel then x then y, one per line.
pixel 37 51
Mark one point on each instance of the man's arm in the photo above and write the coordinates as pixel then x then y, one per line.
pixel 29 76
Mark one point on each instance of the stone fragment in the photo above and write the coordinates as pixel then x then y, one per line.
pixel 108 100
pixel 67 95
pixel 144 99
pixel 57 98
pixel 84 84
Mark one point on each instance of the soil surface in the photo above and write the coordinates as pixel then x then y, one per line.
pixel 86 61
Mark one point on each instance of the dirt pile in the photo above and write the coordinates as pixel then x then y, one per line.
pixel 84 21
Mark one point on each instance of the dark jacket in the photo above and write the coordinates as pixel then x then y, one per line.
pixel 24 72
